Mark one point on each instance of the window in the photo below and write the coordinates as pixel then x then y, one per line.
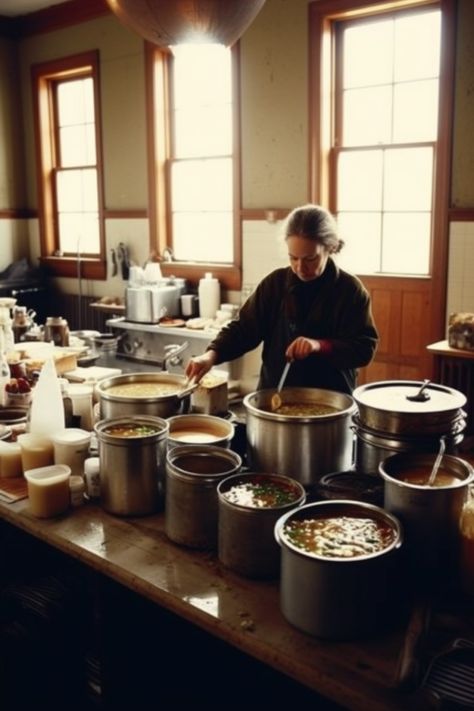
pixel 383 138
pixel 71 223
pixel 199 184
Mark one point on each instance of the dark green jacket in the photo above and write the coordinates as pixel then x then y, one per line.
pixel 335 309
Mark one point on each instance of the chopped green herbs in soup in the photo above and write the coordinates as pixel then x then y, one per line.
pixel 305 409
pixel 130 430
pixel 261 494
pixel 143 389
pixel 340 536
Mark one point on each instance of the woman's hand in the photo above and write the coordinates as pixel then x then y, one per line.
pixel 200 365
pixel 301 348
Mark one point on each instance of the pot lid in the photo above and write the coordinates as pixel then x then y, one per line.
pixel 398 396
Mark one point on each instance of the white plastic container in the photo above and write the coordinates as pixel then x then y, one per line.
pixel 81 396
pixel 209 291
pixel 48 490
pixel 71 447
pixel 92 477
pixel 76 490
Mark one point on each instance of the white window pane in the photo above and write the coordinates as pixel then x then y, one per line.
pixel 360 180
pixel 415 108
pixel 361 233
pixel 203 132
pixel 79 233
pixel 367 116
pixel 75 102
pixel 203 185
pixel 406 243
pixel 75 146
pixel 417 46
pixel 408 178
pixel 203 237
pixel 77 191
pixel 368 54
pixel 209 82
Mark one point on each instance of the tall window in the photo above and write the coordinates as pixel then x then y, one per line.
pixel 200 179
pixel 70 212
pixel 383 149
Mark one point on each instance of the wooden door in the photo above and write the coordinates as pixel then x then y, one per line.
pixel 402 313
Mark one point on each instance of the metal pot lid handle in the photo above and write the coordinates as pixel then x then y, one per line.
pixel 421 395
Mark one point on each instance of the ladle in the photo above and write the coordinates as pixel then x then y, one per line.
pixel 420 396
pixel 276 399
pixel 436 465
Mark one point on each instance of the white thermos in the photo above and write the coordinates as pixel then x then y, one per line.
pixel 209 292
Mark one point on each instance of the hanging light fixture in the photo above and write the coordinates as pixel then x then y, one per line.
pixel 172 22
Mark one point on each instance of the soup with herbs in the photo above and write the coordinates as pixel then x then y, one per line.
pixel 304 409
pixel 262 492
pixel 340 536
pixel 143 389
pixel 131 429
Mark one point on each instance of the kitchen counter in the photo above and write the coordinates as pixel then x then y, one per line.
pixel 245 614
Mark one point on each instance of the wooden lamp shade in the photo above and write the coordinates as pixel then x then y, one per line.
pixel 171 22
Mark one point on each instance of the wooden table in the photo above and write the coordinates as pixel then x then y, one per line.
pixel 242 613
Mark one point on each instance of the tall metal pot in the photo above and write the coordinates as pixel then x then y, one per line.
pixel 430 514
pixel 341 598
pixel 132 469
pixel 160 406
pixel 301 447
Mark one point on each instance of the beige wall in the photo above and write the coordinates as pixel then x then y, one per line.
pixel 274 123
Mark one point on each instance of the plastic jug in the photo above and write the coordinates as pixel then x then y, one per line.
pixel 209 296
pixel 47 410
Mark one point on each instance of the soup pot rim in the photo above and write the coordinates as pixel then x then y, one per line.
pixel 275 416
pixel 202 450
pixel 426 458
pixel 104 385
pixel 283 541
pixel 247 475
pixel 159 422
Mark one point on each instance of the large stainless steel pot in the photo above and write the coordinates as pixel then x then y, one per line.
pixel 340 598
pixel 162 406
pixel 303 448
pixel 430 515
pixel 132 469
pixel 373 447
pixel 392 406
pixel 246 542
pixel 192 474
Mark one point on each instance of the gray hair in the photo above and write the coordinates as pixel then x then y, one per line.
pixel 315 223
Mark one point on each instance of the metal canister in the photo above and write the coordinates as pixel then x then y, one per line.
pixel 192 475
pixel 132 469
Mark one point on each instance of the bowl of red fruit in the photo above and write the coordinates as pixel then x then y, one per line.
pixel 17 393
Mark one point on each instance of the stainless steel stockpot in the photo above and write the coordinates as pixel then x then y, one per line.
pixel 132 469
pixel 161 406
pixel 301 447
pixel 392 407
pixel 246 542
pixel 341 598
pixel 192 475
pixel 430 515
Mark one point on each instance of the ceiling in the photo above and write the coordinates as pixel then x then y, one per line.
pixel 12 8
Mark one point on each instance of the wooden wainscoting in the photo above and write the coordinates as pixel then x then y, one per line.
pixel 401 309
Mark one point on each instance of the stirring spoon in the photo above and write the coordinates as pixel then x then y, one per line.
pixel 276 399
pixel 434 471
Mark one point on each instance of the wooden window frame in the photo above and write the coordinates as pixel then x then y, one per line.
pixel 159 150
pixel 322 14
pixel 44 78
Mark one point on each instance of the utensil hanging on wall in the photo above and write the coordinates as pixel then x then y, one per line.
pixel 167 22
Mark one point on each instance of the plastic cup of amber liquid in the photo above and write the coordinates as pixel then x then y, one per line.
pixel 36 451
pixel 48 490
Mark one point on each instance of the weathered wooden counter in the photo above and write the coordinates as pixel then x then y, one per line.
pixel 137 554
